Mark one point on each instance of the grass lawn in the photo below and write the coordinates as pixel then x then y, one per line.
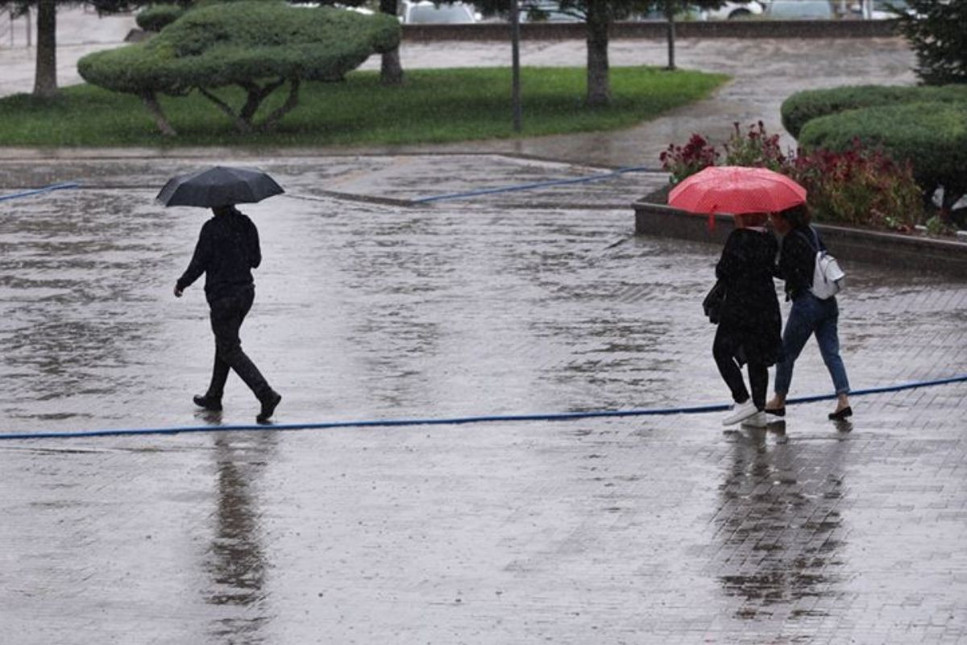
pixel 432 106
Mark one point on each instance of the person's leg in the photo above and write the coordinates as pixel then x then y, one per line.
pixel 227 315
pixel 722 351
pixel 799 326
pixel 758 383
pixel 827 336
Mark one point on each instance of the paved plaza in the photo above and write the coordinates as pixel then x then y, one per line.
pixel 376 304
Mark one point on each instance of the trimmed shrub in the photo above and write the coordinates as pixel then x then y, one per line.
pixel 802 107
pixel 157 17
pixel 259 46
pixel 932 137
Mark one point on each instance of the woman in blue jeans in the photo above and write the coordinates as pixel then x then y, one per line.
pixel 809 315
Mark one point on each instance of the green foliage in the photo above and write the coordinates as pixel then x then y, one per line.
pixel 936 31
pixel 432 106
pixel 241 42
pixel 754 148
pixel 157 17
pixel 932 137
pixel 802 107
pixel 257 45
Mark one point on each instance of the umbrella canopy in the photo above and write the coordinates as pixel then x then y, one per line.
pixel 736 190
pixel 218 186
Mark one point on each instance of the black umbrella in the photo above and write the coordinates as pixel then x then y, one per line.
pixel 218 186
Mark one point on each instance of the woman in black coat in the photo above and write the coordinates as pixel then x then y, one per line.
pixel 750 328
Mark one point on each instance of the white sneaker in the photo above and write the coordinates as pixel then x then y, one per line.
pixel 740 412
pixel 757 420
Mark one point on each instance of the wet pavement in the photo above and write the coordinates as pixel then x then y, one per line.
pixel 644 529
pixel 370 305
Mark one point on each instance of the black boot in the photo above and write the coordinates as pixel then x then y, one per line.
pixel 208 402
pixel 269 402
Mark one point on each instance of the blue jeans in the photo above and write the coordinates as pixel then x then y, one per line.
pixel 811 315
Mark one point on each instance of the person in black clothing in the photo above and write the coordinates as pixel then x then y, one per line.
pixel 750 325
pixel 227 251
pixel 809 315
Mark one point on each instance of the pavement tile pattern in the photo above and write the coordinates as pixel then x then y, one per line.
pixel 653 529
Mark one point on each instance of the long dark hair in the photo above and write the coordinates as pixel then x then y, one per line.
pixel 796 216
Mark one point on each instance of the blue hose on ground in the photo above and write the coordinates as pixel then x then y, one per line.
pixel 531 186
pixel 389 423
pixel 40 191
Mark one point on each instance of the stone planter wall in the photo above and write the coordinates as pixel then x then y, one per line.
pixel 885 249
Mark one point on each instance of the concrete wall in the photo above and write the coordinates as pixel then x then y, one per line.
pixel 659 30
pixel 849 245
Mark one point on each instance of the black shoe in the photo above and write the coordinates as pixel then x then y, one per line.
pixel 269 403
pixel 777 412
pixel 842 414
pixel 208 402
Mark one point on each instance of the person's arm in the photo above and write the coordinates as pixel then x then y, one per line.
pixel 199 262
pixel 255 249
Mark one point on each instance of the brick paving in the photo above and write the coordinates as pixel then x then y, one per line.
pixel 665 529
pixel 635 530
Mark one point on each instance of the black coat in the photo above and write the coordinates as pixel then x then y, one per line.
pixel 797 260
pixel 750 316
pixel 227 251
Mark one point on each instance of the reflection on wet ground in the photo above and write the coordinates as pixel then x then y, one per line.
pixel 653 529
pixel 780 525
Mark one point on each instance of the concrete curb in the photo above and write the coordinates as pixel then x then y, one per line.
pixel 874 247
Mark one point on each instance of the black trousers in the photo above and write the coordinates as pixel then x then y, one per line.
pixel 227 315
pixel 724 350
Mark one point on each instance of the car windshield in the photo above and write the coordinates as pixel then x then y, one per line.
pixel 443 14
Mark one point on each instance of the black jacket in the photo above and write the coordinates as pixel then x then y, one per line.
pixel 227 251
pixel 750 316
pixel 797 260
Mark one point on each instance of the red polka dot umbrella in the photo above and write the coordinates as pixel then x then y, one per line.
pixel 736 190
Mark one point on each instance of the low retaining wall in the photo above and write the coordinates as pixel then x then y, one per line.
pixel 658 30
pixel 849 244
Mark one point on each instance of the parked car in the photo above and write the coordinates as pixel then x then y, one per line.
pixel 546 11
pixel 800 10
pixel 733 11
pixel 881 9
pixel 425 12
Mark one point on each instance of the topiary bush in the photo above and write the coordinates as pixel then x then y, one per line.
pixel 258 46
pixel 157 17
pixel 802 107
pixel 932 137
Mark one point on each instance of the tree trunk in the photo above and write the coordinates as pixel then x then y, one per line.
pixel 670 16
pixel 599 83
pixel 45 74
pixel 391 71
pixel 151 102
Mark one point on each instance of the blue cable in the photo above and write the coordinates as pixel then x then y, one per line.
pixel 519 187
pixel 389 423
pixel 39 191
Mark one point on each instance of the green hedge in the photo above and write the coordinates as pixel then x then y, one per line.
pixel 157 17
pixel 802 107
pixel 931 136
pixel 240 42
